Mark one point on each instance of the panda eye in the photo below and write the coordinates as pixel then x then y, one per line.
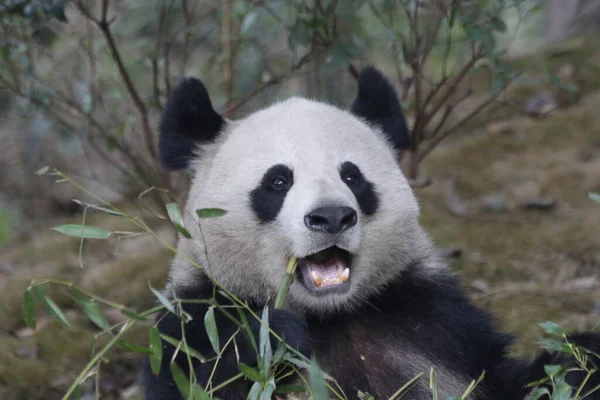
pixel 350 179
pixel 279 184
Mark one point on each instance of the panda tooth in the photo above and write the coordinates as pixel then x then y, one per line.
pixel 317 280
pixel 343 277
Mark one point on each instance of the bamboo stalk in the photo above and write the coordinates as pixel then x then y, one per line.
pixel 286 282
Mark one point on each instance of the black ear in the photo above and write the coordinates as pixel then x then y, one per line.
pixel 378 103
pixel 188 120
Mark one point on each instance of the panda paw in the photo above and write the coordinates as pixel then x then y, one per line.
pixel 292 329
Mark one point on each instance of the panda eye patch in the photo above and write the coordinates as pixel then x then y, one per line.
pixel 350 174
pixel 363 190
pixel 267 198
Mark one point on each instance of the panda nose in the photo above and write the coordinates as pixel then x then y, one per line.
pixel 331 219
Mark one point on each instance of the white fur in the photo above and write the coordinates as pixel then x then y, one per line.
pixel 313 139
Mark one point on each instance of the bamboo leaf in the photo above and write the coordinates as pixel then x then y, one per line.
pixel 51 306
pixel 156 348
pixel 176 219
pixel 198 393
pixel 135 348
pixel 186 349
pixel 211 329
pixel 251 373
pixel 254 391
pixel 82 231
pixel 283 389
pixel 268 389
pixel 182 382
pixel 552 370
pixel 553 328
pixel 210 212
pixel 266 352
pixel 163 300
pixel 42 171
pixel 317 381
pixel 132 315
pixel 90 308
pixel 553 345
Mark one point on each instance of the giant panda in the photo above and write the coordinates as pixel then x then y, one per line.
pixel 372 300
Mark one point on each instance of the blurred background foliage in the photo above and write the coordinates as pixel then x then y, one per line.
pixel 505 90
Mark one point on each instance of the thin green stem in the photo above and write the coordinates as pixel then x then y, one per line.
pixel 286 282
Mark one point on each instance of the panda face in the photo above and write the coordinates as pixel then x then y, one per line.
pixel 308 180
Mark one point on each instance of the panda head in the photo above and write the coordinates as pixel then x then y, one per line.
pixel 297 179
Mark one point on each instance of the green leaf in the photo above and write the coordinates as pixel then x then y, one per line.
pixel 182 382
pixel 176 343
pixel 283 389
pixel 176 219
pixel 594 197
pixel 163 300
pixel 29 309
pixel 539 393
pixel 198 393
pixel 82 231
pixel 279 353
pixel 210 212
pixel 156 348
pixel 42 171
pixel 254 391
pixel 553 328
pixel 268 389
pixel 553 345
pixel 211 329
pixel 251 373
pixel 297 362
pixel 552 370
pixel 106 210
pixel 264 342
pixel 132 315
pixel 56 311
pixel 562 391
pixel 90 308
pixel 317 381
pixel 135 348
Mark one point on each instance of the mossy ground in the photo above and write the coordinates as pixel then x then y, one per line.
pixel 526 260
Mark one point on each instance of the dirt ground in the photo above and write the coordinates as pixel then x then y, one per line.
pixel 511 203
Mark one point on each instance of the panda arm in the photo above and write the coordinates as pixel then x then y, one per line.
pixel 162 386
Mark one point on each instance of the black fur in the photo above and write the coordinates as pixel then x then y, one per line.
pixel 267 200
pixel 378 104
pixel 363 190
pixel 431 318
pixel 188 119
pixel 162 387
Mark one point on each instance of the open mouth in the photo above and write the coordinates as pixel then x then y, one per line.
pixel 326 271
